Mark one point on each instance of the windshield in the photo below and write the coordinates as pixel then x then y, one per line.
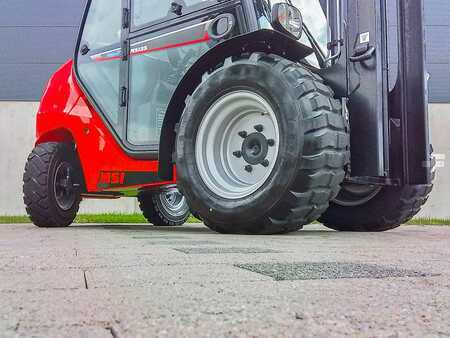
pixel 315 20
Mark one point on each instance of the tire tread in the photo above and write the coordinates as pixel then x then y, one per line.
pixel 36 194
pixel 394 206
pixel 326 151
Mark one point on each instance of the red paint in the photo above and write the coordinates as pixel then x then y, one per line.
pixel 65 115
pixel 176 45
pixel 205 38
pixel 101 59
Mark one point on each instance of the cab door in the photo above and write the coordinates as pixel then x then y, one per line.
pixel 133 54
pixel 165 38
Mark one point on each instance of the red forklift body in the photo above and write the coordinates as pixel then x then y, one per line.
pixel 65 115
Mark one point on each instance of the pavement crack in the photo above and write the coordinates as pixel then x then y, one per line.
pixel 85 280
pixel 112 331
pixel 16 328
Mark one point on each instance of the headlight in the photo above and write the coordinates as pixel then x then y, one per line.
pixel 287 19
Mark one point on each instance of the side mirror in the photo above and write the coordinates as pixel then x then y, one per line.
pixel 287 19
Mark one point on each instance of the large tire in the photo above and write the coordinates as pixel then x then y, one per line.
pixel 160 210
pixel 313 147
pixel 389 208
pixel 52 185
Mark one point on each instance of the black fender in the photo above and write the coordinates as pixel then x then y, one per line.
pixel 265 40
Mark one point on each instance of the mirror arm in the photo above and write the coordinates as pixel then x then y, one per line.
pixel 338 42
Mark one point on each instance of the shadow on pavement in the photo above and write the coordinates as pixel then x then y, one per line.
pixel 194 228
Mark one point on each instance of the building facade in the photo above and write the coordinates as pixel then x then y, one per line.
pixel 38 36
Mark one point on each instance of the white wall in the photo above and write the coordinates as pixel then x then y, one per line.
pixel 438 206
pixel 17 137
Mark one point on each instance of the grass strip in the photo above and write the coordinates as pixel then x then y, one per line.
pixel 138 219
pixel 91 219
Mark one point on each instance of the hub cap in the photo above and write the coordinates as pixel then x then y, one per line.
pixel 237 144
pixel 64 186
pixel 174 202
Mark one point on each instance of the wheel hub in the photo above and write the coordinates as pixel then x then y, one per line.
pixel 65 188
pixel 173 201
pixel 237 144
pixel 255 148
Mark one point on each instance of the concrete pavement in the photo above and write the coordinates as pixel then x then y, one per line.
pixel 141 281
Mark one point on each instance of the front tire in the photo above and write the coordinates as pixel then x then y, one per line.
pixel 261 146
pixel 51 185
pixel 164 208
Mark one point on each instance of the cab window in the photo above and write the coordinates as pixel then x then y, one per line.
pixel 98 72
pixel 145 12
pixel 315 19
pixel 103 24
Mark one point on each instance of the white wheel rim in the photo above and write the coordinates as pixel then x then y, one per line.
pixel 220 137
pixel 173 202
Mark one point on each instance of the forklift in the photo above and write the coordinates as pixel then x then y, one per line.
pixel 256 116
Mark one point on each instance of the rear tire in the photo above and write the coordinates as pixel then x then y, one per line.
pixel 52 185
pixel 164 208
pixel 389 208
pixel 304 171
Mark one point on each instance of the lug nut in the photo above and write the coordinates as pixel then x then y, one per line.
pixel 237 154
pixel 243 134
pixel 271 142
pixel 265 163
pixel 259 128
pixel 248 168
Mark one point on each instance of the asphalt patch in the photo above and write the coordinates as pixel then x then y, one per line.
pixel 224 250
pixel 333 270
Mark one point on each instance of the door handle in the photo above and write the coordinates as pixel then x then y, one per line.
pixel 84 49
pixel 123 96
pixel 362 53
